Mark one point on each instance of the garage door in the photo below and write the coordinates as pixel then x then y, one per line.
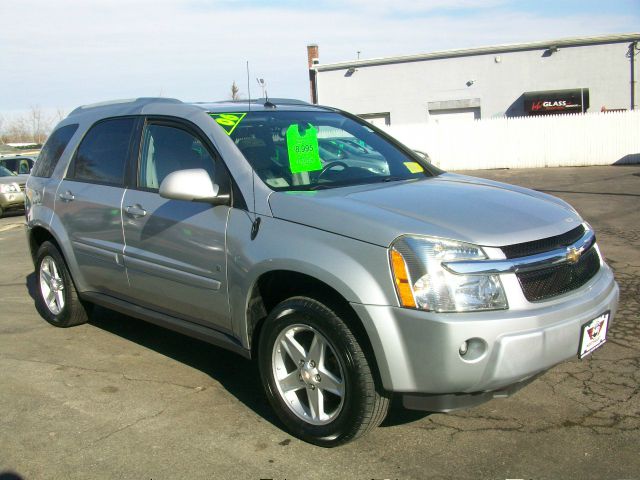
pixel 454 115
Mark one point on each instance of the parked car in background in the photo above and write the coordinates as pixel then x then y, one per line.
pixel 18 164
pixel 11 190
pixel 299 235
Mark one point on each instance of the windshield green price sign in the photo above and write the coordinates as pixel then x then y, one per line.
pixel 228 121
pixel 302 146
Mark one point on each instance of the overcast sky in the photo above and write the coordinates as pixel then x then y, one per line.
pixel 63 53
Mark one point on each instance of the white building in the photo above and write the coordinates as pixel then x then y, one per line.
pixel 583 74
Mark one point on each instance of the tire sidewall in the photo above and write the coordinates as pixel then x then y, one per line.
pixel 323 320
pixel 47 249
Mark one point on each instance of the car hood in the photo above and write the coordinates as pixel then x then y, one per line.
pixel 452 206
pixel 19 179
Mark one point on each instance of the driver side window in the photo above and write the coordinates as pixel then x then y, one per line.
pixel 166 149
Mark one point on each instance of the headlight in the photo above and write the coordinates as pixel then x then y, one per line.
pixel 9 188
pixel 422 282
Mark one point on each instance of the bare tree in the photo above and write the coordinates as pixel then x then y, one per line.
pixel 33 126
pixel 17 130
pixel 235 91
pixel 60 115
pixel 40 125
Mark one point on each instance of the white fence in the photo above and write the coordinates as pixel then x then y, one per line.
pixel 545 141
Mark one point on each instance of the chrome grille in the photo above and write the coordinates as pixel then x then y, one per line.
pixel 553 281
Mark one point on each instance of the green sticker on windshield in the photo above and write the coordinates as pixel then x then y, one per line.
pixel 303 149
pixel 228 121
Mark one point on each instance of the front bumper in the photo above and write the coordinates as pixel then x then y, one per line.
pixel 448 402
pixel 11 201
pixel 418 352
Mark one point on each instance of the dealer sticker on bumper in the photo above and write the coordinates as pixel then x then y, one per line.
pixel 594 334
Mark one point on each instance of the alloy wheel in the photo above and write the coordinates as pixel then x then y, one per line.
pixel 308 374
pixel 51 285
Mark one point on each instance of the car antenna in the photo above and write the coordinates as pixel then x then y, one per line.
pixel 255 225
pixel 248 86
pixel 267 103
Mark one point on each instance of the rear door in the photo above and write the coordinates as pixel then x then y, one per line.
pixel 175 250
pixel 89 199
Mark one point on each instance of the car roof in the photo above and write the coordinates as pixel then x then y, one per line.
pixel 138 105
pixel 260 105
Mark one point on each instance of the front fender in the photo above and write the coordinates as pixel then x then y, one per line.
pixel 357 270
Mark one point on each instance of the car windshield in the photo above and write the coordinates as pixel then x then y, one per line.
pixel 5 172
pixel 314 150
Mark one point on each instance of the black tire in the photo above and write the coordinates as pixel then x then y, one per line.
pixel 364 404
pixel 1 212
pixel 74 311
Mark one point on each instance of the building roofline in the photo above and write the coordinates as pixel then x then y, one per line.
pixel 465 52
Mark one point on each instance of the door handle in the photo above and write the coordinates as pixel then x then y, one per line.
pixel 135 211
pixel 67 196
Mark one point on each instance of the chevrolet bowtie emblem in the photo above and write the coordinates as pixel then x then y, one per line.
pixel 573 255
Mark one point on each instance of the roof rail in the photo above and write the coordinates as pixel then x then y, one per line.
pixel 137 102
pixel 277 101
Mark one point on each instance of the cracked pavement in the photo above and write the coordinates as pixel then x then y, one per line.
pixel 119 398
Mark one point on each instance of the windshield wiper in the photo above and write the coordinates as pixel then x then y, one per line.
pixel 307 188
pixel 395 179
pixel 363 181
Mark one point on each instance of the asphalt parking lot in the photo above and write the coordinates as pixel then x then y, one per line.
pixel 119 398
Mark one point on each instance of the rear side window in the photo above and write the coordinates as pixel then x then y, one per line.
pixel 103 152
pixel 52 151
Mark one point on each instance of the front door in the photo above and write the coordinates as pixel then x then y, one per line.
pixel 175 250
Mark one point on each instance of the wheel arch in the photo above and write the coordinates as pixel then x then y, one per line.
pixel 275 286
pixel 38 234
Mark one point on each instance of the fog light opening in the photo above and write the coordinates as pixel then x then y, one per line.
pixel 472 349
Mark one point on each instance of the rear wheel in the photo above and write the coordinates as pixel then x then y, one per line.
pixel 56 298
pixel 316 375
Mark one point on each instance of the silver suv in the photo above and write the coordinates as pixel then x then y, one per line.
pixel 304 237
pixel 12 188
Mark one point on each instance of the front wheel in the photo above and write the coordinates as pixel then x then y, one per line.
pixel 316 375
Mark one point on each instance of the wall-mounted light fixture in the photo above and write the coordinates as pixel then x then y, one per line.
pixel 550 51
pixel 350 71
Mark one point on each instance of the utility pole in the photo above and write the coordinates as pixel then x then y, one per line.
pixel 633 47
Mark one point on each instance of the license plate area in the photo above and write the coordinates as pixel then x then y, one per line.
pixel 593 334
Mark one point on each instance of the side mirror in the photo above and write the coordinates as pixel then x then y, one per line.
pixel 423 155
pixel 193 185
